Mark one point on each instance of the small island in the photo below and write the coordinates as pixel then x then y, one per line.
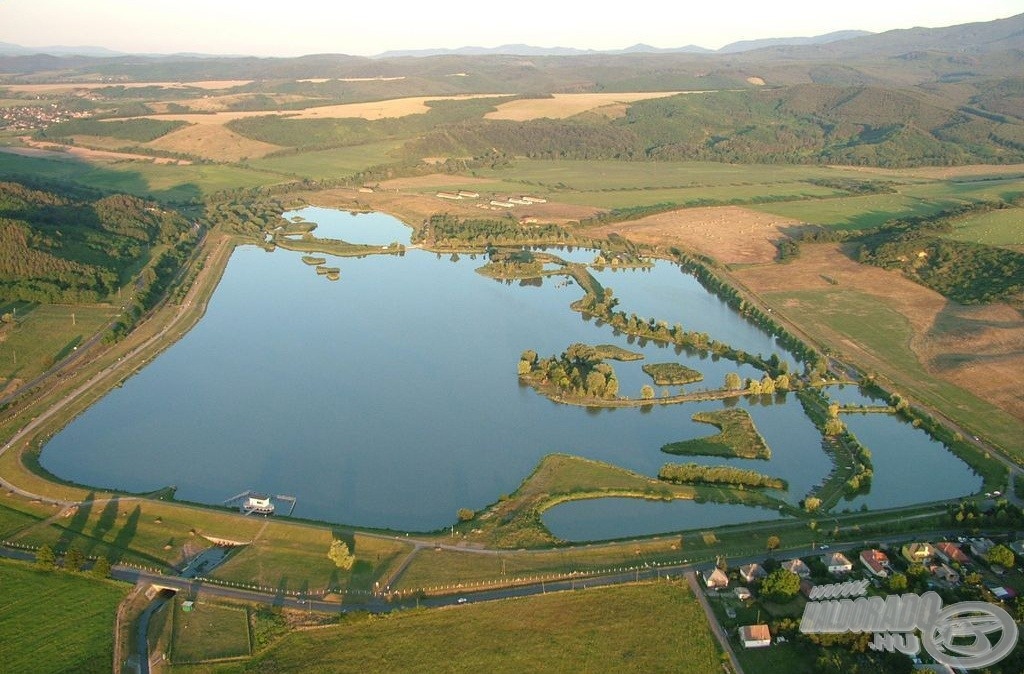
pixel 692 473
pixel 738 437
pixel 314 261
pixel 612 352
pixel 672 374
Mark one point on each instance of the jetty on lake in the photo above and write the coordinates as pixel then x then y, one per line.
pixel 253 502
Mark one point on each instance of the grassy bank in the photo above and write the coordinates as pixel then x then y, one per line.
pixel 738 437
pixel 653 627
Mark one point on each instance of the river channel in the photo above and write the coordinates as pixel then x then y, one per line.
pixel 389 398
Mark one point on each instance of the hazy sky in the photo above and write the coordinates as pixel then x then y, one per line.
pixel 296 27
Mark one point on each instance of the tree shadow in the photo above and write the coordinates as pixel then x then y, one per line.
pixel 76 525
pixel 124 537
pixel 106 522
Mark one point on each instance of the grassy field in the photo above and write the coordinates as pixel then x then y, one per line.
pixel 738 437
pixel 209 632
pixel 292 557
pixel 151 533
pixel 596 176
pixel 327 164
pixel 158 181
pixel 56 622
pixel 846 317
pixel 42 334
pixel 649 627
pixel 995 228
pixel 14 516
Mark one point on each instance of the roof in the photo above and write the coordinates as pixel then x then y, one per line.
pixel 755 633
pixel 874 560
pixel 797 566
pixel 916 552
pixel 716 577
pixel 952 552
pixel 753 571
pixel 836 559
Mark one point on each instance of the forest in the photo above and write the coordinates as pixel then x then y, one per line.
pixel 79 246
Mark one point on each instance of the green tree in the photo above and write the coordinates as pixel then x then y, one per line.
pixel 812 503
pixel 340 555
pixel 73 560
pixel 733 381
pixel 834 426
pixel 465 514
pixel 101 569
pixel 45 558
pixel 1001 555
pixel 897 582
pixel 773 543
pixel 780 585
pixel 646 392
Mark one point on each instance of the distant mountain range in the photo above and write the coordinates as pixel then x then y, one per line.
pixel 8 49
pixel 528 50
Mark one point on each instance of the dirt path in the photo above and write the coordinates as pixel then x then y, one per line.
pixel 723 638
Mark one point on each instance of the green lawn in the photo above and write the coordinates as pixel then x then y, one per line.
pixel 42 334
pixel 209 632
pixel 650 627
pixel 56 622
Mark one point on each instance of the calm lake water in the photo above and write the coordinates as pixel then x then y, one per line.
pixel 390 398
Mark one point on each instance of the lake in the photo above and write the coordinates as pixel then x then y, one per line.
pixel 390 398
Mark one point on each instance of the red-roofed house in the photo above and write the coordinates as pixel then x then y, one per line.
pixel 876 561
pixel 755 636
pixel 951 552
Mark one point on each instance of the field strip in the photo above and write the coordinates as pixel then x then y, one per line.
pixel 394 107
pixel 561 106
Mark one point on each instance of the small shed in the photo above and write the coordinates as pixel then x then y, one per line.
pixel 755 636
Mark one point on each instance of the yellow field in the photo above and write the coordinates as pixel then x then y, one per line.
pixel 395 107
pixel 212 142
pixel 567 105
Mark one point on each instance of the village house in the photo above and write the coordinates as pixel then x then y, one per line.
pixel 743 593
pixel 752 573
pixel 876 561
pixel 944 573
pixel 798 567
pixel 755 636
pixel 921 553
pixel 980 547
pixel 716 579
pixel 837 563
pixel 950 552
